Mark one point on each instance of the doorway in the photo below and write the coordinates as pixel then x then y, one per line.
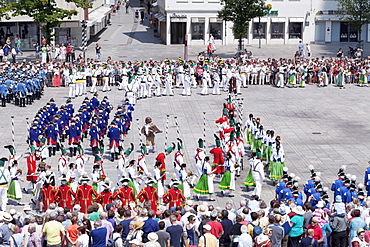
pixel 178 31
pixel 348 32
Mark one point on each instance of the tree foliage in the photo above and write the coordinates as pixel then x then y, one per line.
pixel 46 12
pixel 241 12
pixel 357 12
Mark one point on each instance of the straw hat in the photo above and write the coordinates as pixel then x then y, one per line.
pixel 138 225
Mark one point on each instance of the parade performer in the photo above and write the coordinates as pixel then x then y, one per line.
pixel 84 194
pixel 31 169
pixel 133 176
pixel 199 160
pixel 81 160
pixel 174 196
pixel 122 163
pixel 158 177
pixel 205 184
pixel 94 138
pixel 48 194
pixel 114 140
pixel 249 181
pixel 258 175
pixel 141 162
pixel 161 158
pixel 276 164
pixel 150 130
pixel 106 196
pixel 43 150
pixel 74 133
pixel 14 190
pixel 149 194
pixel 228 179
pixel 52 137
pixel 179 157
pixel 125 193
pixel 62 161
pixel 184 178
pixel 4 182
pixel 64 194
pixel 218 158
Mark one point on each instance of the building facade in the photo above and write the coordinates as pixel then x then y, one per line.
pixel 69 30
pixel 287 22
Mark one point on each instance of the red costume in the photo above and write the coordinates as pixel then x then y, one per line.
pixel 174 197
pixel 149 194
pixel 218 159
pixel 48 193
pixel 31 168
pixel 104 198
pixel 161 158
pixel 64 195
pixel 125 194
pixel 84 196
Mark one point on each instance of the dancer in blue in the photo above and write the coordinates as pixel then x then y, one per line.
pixel 51 134
pixel 74 134
pixel 114 140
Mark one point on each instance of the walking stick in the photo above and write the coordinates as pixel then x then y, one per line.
pixel 167 126
pixel 13 138
pixel 28 131
pixel 177 128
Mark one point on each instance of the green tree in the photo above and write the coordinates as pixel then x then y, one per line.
pixel 241 12
pixel 356 12
pixel 46 12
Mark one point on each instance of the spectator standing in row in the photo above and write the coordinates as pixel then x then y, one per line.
pixel 175 232
pixel 98 51
pixel 53 231
pixel 208 239
pixel 98 235
pixel 18 45
pixel 163 236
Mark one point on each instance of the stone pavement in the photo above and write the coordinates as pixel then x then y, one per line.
pixel 325 127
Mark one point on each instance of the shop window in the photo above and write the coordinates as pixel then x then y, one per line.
pixel 197 31
pixel 295 30
pixel 259 30
pixel 216 30
pixel 277 30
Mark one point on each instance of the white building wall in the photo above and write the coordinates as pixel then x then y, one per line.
pixel 315 26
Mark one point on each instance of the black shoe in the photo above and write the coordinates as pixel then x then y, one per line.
pixel 222 193
pixel 196 198
pixel 231 195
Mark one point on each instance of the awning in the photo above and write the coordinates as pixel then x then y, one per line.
pixel 278 19
pixel 263 19
pixel 21 18
pixel 160 16
pixel 297 19
pixel 97 15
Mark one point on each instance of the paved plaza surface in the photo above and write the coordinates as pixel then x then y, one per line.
pixel 325 127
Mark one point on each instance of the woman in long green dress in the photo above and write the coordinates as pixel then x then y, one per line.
pixel 228 178
pixel 205 183
pixel 277 164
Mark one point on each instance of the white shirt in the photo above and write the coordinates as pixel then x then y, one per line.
pixel 84 240
pixel 245 240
